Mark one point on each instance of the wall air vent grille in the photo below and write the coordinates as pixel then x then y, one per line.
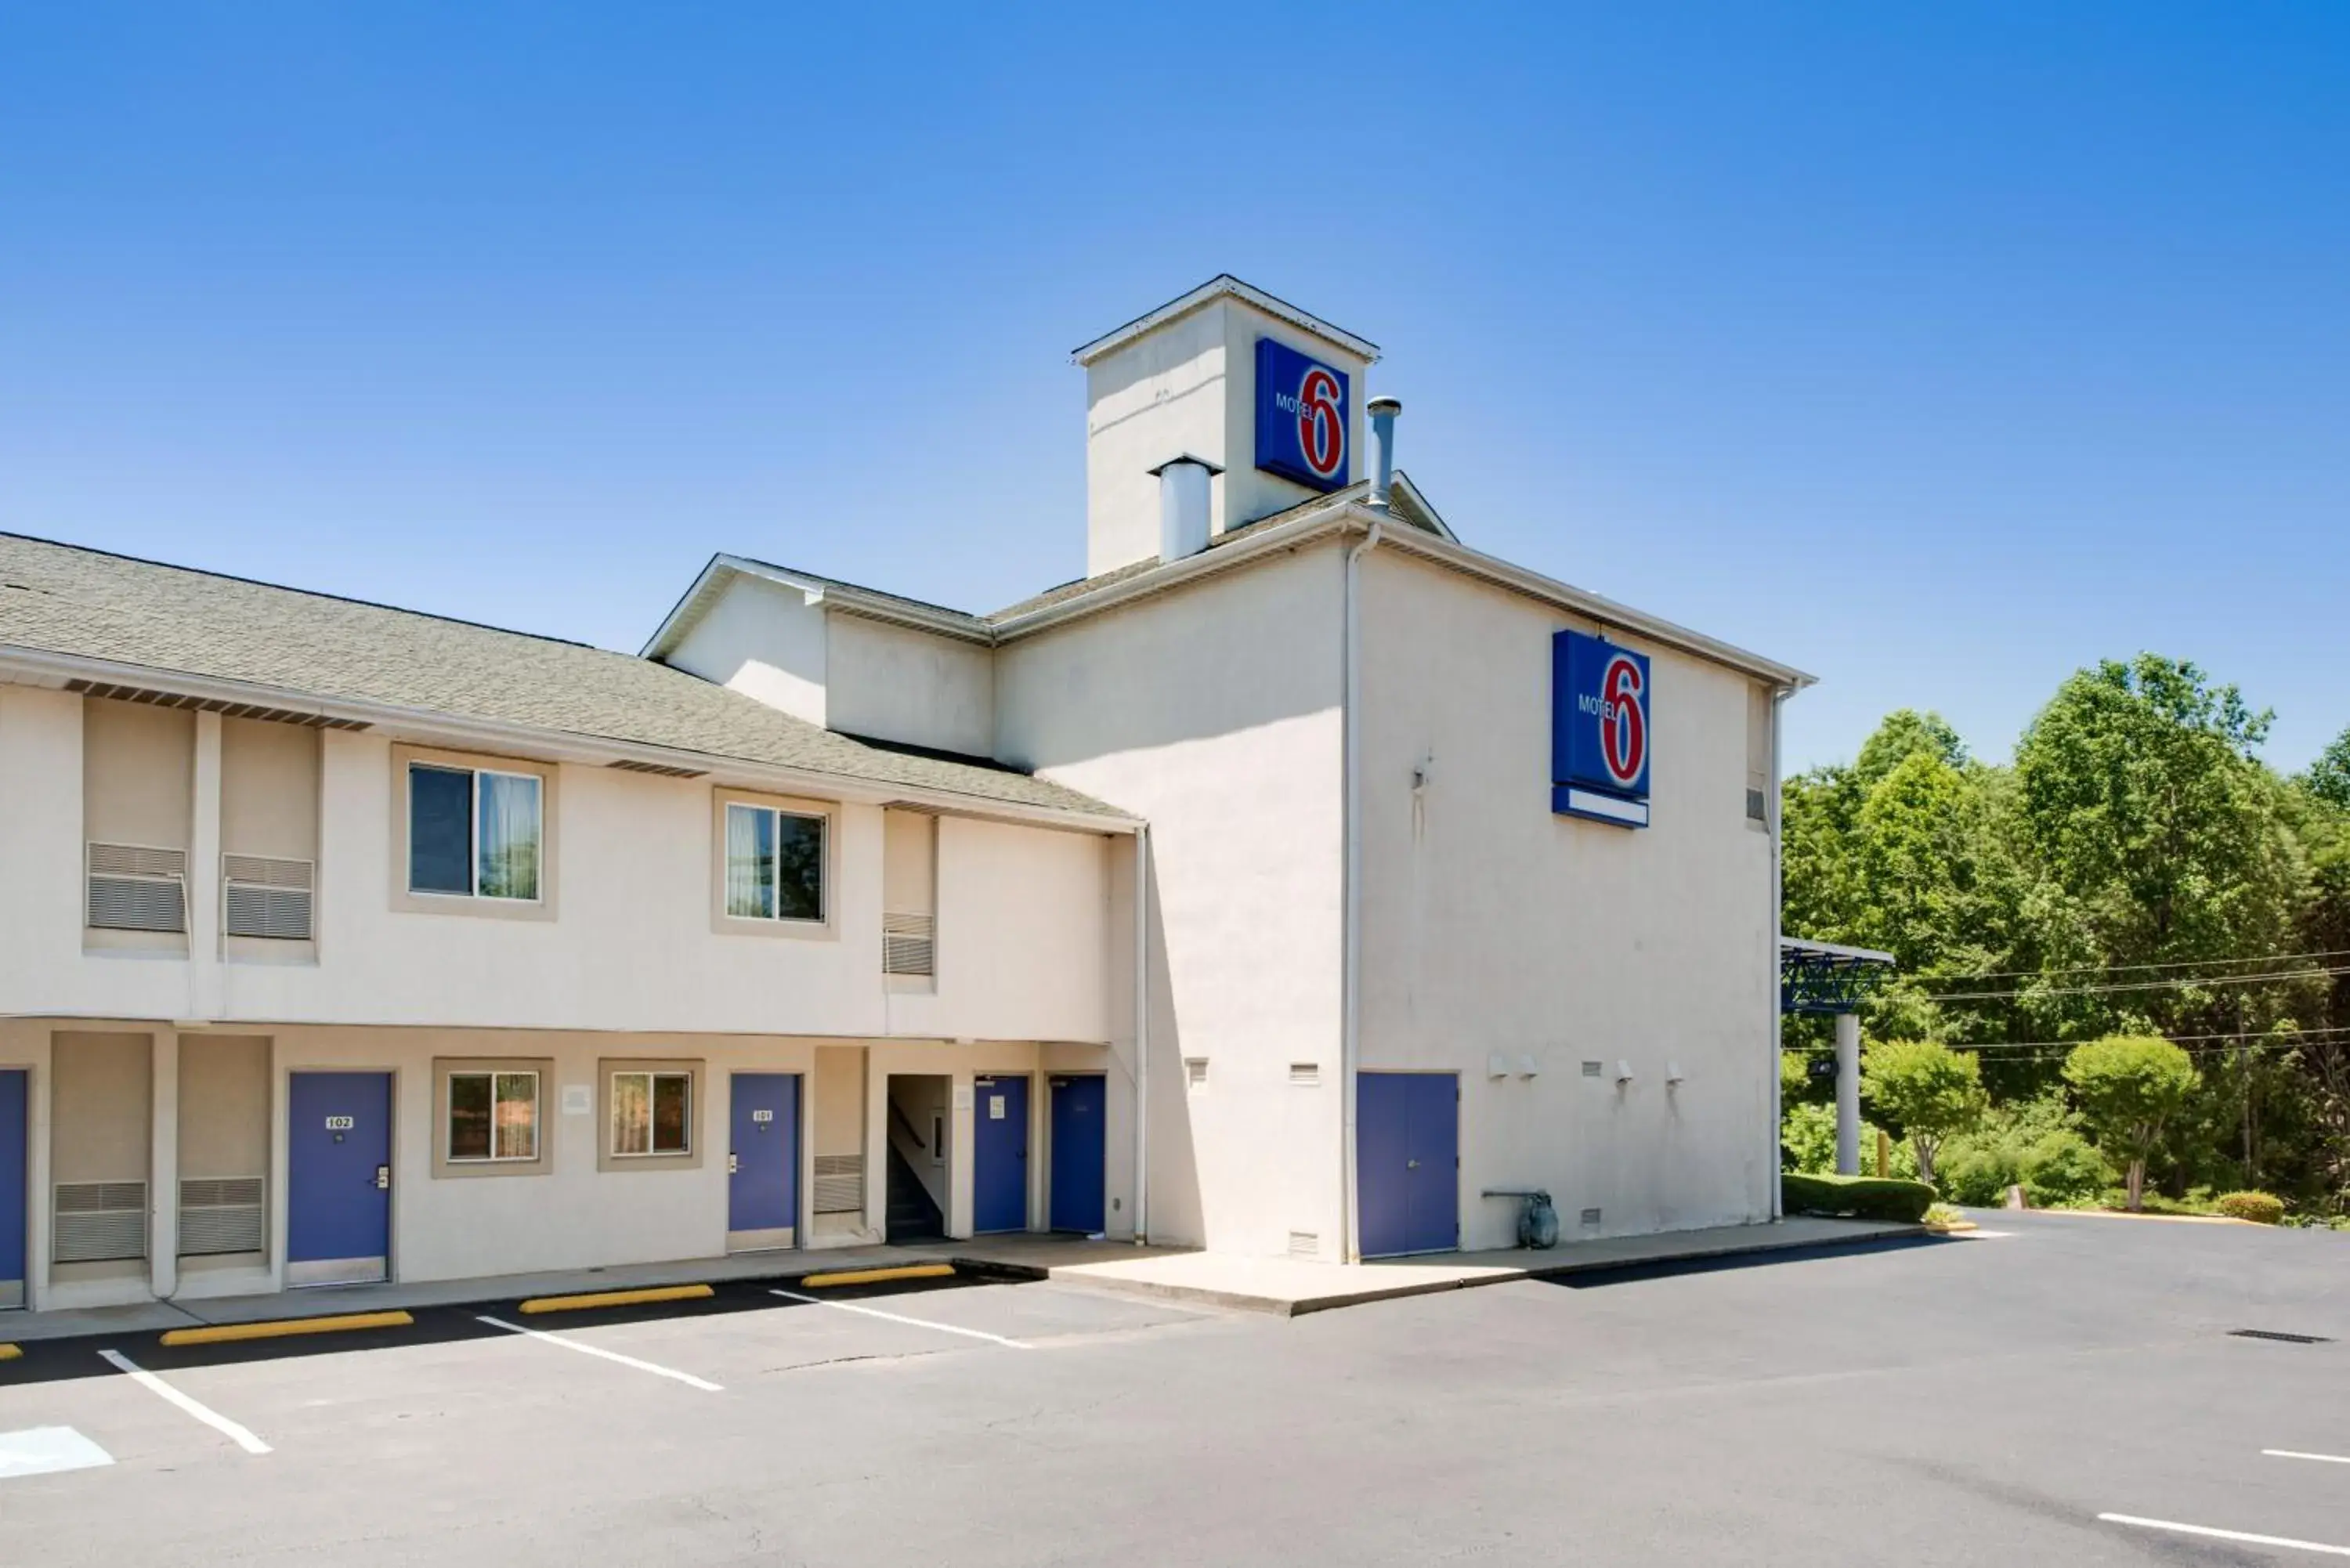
pixel 1195 1072
pixel 1306 1074
pixel 1758 807
pixel 909 944
pixel 1591 1217
pixel 98 1221
pixel 659 770
pixel 1305 1244
pixel 210 705
pixel 138 887
pixel 266 898
pixel 220 1214
pixel 841 1184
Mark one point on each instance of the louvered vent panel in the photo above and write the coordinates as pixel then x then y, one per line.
pixel 909 944
pixel 1305 1244
pixel 100 1220
pixel 1195 1072
pixel 839 1184
pixel 1306 1074
pixel 220 1214
pixel 266 898
pixel 138 887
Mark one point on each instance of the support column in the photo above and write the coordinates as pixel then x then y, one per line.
pixel 163 1164
pixel 204 945
pixel 1847 1048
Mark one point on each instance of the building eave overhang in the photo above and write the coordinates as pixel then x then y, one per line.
pixel 847 597
pixel 41 667
pixel 1353 517
pixel 1224 286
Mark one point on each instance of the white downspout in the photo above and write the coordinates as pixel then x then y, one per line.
pixel 1778 1019
pixel 1141 1036
pixel 1349 1029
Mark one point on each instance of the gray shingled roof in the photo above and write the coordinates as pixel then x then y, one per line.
pixel 59 598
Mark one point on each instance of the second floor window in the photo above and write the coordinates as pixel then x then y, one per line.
pixel 775 864
pixel 473 832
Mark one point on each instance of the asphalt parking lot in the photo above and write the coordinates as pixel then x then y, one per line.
pixel 2056 1390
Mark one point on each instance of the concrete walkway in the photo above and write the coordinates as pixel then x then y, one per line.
pixel 1289 1286
pixel 1283 1286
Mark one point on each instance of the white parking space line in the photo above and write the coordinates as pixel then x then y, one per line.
pixel 2247 1537
pixel 44 1450
pixel 211 1418
pixel 2293 1454
pixel 894 1317
pixel 688 1378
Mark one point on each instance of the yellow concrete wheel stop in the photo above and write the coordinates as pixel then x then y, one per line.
pixel 231 1333
pixel 879 1276
pixel 616 1298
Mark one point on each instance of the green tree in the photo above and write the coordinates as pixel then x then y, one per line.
pixel 1925 1088
pixel 2156 834
pixel 2128 1089
pixel 2329 777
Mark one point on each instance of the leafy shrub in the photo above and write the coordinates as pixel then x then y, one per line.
pixel 2258 1208
pixel 1944 1214
pixel 1807 1136
pixel 2064 1167
pixel 1862 1196
pixel 2034 1143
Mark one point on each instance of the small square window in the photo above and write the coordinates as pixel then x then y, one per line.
pixel 474 833
pixel 775 864
pixel 652 1114
pixel 493 1117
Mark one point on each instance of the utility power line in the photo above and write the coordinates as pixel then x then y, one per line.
pixel 2180 983
pixel 2116 968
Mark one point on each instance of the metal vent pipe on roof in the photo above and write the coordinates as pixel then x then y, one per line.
pixel 1383 412
pixel 1183 505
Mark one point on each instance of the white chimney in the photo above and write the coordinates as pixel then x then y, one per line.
pixel 1183 509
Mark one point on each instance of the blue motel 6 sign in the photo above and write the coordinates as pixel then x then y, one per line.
pixel 1598 730
pixel 1301 417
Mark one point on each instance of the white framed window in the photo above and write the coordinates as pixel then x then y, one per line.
pixel 474 833
pixel 493 1117
pixel 652 1114
pixel 775 864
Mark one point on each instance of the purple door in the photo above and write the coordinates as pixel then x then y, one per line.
pixel 337 1177
pixel 12 1187
pixel 764 1166
pixel 1407 1162
pixel 999 1156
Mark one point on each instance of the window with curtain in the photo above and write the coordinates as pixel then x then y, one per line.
pixel 651 1113
pixel 474 832
pixel 492 1116
pixel 775 864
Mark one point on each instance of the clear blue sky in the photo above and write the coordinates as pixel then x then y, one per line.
pixel 1938 349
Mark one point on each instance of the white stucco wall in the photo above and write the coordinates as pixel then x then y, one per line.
pixel 632 946
pixel 894 683
pixel 1492 925
pixel 1214 712
pixel 764 640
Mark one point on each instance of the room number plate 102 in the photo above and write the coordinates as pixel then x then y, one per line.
pixel 341 1123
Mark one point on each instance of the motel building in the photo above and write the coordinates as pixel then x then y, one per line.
pixel 1281 885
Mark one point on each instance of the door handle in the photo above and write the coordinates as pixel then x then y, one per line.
pixel 1411 1164
pixel 733 1165
pixel 383 1179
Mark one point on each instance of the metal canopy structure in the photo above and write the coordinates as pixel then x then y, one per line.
pixel 1826 977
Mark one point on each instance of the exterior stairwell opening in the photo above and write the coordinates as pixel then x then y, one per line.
pixel 920 1166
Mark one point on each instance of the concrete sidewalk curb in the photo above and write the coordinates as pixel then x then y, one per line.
pixel 1666 1255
